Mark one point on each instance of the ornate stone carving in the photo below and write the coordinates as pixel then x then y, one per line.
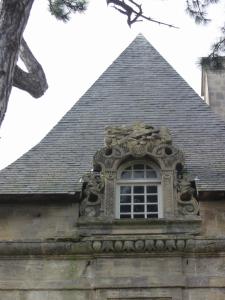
pixel 187 203
pixel 145 245
pixel 138 134
pixel 124 143
pixel 109 174
pixel 103 246
pixel 137 141
pixel 93 186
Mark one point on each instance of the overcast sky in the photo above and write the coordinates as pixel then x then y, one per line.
pixel 75 54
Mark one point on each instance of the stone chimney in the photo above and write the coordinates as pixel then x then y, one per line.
pixel 213 90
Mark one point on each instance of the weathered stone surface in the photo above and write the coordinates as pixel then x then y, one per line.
pixel 213 218
pixel 204 294
pixel 213 90
pixel 47 295
pixel 24 221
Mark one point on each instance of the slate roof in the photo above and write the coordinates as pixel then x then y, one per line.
pixel 139 86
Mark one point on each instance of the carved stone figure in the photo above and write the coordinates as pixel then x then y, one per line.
pixel 92 194
pixel 187 202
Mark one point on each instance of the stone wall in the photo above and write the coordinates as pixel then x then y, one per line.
pixel 42 256
pixel 24 221
pixel 213 218
pixel 119 278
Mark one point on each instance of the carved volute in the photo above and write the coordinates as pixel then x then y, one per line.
pixel 130 143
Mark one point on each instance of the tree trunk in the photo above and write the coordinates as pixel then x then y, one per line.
pixel 34 81
pixel 14 15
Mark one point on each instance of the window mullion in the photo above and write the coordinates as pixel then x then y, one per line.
pixel 145 201
pixel 132 201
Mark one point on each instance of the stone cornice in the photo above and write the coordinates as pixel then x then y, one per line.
pixel 111 246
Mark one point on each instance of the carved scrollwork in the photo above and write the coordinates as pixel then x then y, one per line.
pixel 168 154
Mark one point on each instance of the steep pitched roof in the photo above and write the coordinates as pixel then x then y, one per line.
pixel 139 86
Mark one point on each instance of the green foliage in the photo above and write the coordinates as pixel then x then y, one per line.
pixel 62 9
pixel 198 9
pixel 214 63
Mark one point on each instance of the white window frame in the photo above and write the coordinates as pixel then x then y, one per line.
pixel 139 182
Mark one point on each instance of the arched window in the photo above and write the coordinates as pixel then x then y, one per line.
pixel 138 191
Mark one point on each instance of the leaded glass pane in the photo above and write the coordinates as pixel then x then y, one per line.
pixel 139 198
pixel 152 208
pixel 139 216
pixel 125 208
pixel 151 174
pixel 152 216
pixel 139 189
pixel 139 208
pixel 139 175
pixel 125 189
pixel 123 216
pixel 138 167
pixel 126 174
pixel 125 199
pixel 152 189
pixel 152 198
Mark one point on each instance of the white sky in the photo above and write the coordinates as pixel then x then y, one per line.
pixel 75 54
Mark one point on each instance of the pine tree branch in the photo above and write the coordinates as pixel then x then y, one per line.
pixel 132 14
pixel 198 9
pixel 34 81
pixel 62 9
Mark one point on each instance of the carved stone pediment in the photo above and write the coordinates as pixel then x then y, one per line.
pixel 124 143
pixel 138 134
pixel 137 141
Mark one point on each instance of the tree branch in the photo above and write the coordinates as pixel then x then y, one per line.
pixel 132 14
pixel 34 81
pixel 13 19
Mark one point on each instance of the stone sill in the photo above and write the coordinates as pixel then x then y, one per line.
pixel 94 226
pixel 133 222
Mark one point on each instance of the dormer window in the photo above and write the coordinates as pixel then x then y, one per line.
pixel 139 174
pixel 138 191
